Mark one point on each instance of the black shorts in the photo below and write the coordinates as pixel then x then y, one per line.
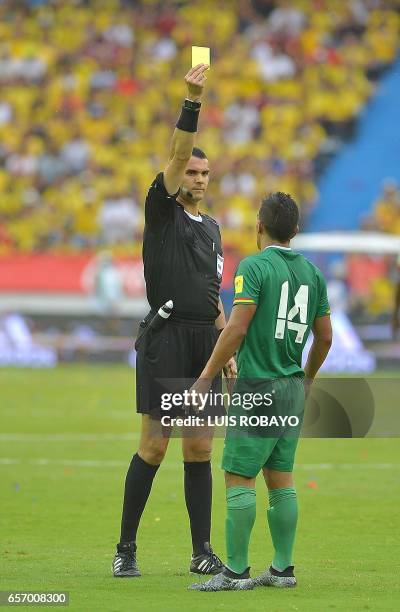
pixel 169 361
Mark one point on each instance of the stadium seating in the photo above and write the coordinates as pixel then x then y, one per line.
pixel 90 91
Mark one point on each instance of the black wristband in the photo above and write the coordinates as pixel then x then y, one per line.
pixel 189 116
pixel 192 105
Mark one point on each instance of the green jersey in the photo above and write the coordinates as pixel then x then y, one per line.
pixel 290 292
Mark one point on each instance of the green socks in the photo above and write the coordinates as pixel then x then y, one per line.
pixel 241 514
pixel 282 520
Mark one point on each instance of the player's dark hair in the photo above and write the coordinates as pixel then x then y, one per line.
pixel 196 152
pixel 279 215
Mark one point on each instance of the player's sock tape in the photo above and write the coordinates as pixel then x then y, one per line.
pixel 240 497
pixel 278 495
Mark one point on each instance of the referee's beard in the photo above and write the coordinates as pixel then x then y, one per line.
pixel 190 198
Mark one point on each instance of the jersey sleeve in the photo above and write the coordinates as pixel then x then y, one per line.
pixel 247 283
pixel 323 308
pixel 159 204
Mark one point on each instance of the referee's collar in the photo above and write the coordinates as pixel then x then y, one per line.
pixel 199 218
pixel 277 246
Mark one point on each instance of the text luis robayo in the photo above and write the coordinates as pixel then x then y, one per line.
pixel 199 400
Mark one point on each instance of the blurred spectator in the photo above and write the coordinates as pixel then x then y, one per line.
pixel 17 347
pixel 274 65
pixel 375 296
pixel 75 154
pixel 5 113
pixel 286 18
pixel 386 215
pixel 238 182
pixel 108 285
pixel 118 219
pixel 241 121
pixel 120 33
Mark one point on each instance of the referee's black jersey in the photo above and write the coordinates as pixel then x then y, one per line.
pixel 182 257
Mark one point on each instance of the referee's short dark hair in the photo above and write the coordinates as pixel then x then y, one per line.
pixel 196 152
pixel 279 215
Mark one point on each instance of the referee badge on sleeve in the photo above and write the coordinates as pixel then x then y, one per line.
pixel 238 284
pixel 220 265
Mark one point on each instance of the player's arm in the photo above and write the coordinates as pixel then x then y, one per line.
pixel 322 341
pixel 230 339
pixel 322 332
pixel 186 127
pixel 230 369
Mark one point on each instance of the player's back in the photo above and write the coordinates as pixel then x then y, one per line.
pixel 290 292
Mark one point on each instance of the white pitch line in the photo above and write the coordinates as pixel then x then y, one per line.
pixel 176 465
pixel 346 466
pixel 79 462
pixel 69 437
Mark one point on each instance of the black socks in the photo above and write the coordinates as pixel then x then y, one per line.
pixel 138 483
pixel 198 497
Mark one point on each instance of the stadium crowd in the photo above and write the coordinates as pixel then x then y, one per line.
pixel 91 88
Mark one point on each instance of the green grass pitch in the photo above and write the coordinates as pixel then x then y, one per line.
pixel 62 475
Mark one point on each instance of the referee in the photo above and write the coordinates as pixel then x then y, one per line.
pixel 183 262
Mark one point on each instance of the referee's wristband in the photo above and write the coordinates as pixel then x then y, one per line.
pixel 189 116
pixel 194 105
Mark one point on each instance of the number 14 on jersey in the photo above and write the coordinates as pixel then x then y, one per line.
pixel 285 318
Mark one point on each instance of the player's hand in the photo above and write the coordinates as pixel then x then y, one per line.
pixel 230 368
pixel 230 373
pixel 197 392
pixel 307 386
pixel 195 81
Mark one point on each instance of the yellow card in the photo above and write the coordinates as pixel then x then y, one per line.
pixel 200 55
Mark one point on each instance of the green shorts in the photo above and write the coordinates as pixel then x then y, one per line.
pixel 254 441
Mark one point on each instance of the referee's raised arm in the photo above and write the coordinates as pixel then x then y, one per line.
pixel 186 127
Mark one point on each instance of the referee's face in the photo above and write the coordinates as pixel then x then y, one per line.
pixel 196 177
